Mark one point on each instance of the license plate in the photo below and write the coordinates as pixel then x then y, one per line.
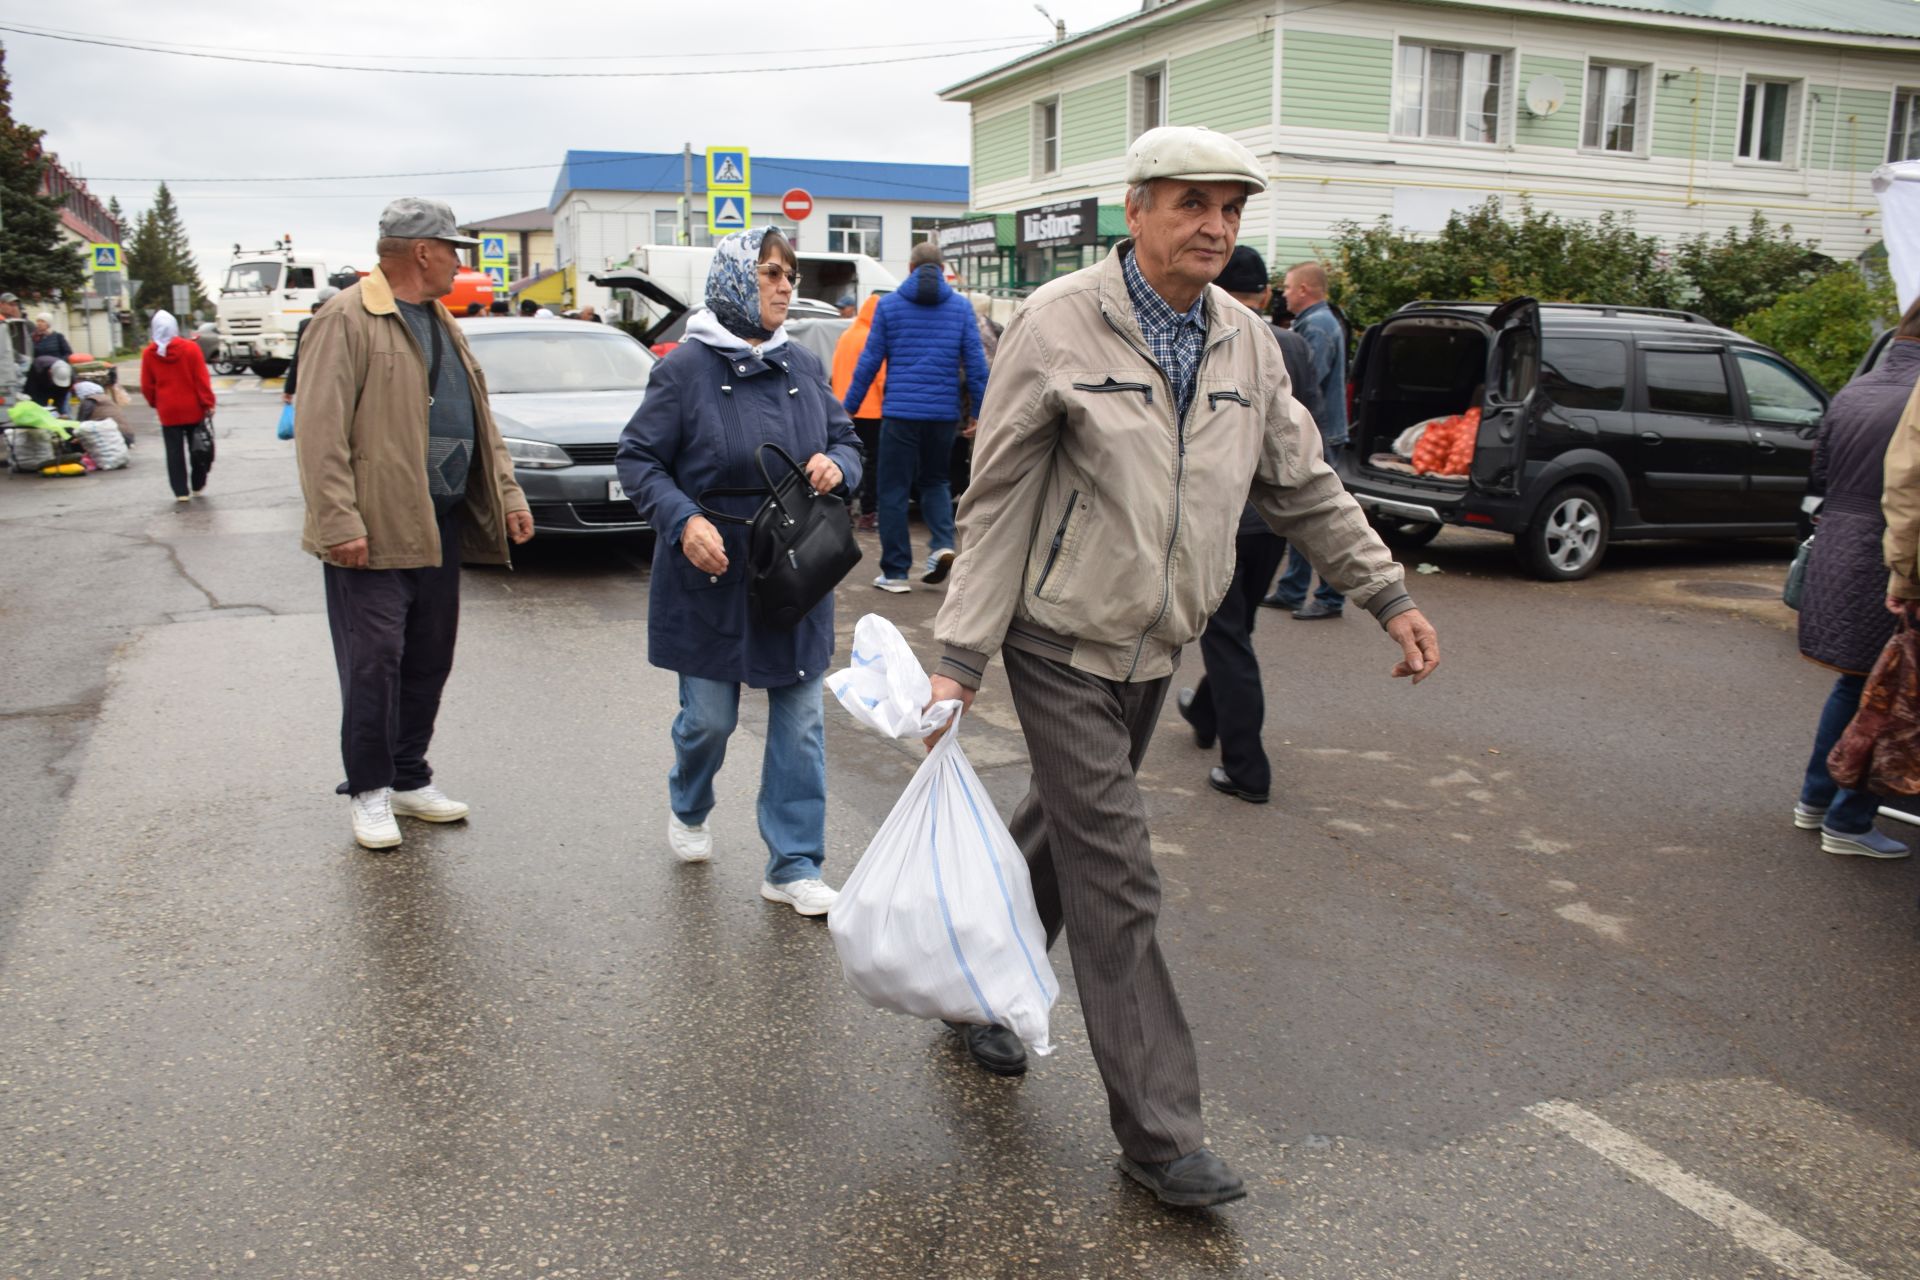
pixel 614 492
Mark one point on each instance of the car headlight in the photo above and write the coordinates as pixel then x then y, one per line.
pixel 537 454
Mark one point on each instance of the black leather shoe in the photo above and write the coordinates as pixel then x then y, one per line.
pixel 1314 609
pixel 1276 601
pixel 1194 1181
pixel 1184 701
pixel 1217 779
pixel 993 1047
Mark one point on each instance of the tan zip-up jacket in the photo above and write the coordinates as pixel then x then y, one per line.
pixel 1098 529
pixel 1900 504
pixel 361 436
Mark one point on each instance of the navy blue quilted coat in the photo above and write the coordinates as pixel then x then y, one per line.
pixel 1844 621
pixel 926 335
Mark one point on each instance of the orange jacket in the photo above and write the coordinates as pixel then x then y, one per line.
pixel 847 354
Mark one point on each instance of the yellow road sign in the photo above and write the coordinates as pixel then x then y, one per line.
pixel 106 257
pixel 729 167
pixel 729 211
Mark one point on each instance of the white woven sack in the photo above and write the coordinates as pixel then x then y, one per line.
pixel 104 444
pixel 938 918
pixel 30 448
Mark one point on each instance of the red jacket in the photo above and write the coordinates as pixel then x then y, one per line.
pixel 176 384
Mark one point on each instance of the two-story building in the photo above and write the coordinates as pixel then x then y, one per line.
pixel 1688 114
pixel 91 319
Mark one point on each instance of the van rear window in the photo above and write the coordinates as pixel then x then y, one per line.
pixel 1585 373
pixel 1432 359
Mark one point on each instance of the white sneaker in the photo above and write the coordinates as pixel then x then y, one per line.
pixel 899 586
pixel 808 897
pixel 689 843
pixel 373 823
pixel 429 804
pixel 938 566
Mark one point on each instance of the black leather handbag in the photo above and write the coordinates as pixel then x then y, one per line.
pixel 799 544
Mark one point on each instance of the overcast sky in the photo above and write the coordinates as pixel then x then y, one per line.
pixel 121 117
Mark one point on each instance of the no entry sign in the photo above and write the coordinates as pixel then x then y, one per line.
pixel 796 204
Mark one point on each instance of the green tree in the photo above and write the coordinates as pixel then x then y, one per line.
pixel 35 258
pixel 159 256
pixel 1826 326
pixel 1743 271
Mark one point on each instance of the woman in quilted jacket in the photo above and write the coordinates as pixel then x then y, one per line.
pixel 1844 621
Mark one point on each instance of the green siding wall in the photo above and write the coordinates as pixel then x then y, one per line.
pixel 1093 122
pixel 1336 82
pixel 1229 86
pixel 1674 127
pixel 1726 124
pixel 1562 128
pixel 1284 251
pixel 1000 147
pixel 1860 131
pixel 1822 104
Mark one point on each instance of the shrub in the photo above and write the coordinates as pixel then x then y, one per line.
pixel 1825 326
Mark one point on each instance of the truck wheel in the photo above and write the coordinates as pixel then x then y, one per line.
pixel 1568 535
pixel 224 368
pixel 269 368
pixel 1404 535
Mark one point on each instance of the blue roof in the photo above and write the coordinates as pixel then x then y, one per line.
pixel 772 177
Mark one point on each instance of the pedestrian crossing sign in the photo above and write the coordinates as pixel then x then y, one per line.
pixel 493 248
pixel 728 211
pixel 106 257
pixel 728 167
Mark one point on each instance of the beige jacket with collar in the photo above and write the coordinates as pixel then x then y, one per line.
pixel 361 436
pixel 1098 529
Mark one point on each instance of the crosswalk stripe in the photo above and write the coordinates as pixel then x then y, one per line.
pixel 1781 1245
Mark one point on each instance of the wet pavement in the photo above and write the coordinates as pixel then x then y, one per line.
pixel 1524 972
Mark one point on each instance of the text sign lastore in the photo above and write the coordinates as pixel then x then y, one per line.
pixel 1054 226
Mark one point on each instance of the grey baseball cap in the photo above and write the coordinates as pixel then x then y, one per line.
pixel 418 218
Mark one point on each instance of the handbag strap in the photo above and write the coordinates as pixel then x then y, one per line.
pixel 722 516
pixel 770 491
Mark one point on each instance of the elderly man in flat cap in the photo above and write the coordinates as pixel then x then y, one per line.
pixel 1134 409
pixel 405 477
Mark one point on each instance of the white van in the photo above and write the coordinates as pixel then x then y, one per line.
pixel 825 277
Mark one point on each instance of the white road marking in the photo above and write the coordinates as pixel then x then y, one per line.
pixel 1786 1248
pixel 1532 843
pixel 1613 927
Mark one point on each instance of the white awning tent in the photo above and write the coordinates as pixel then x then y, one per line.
pixel 1897 187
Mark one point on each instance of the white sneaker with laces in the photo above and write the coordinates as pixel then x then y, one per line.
pixel 808 897
pixel 373 822
pixel 429 804
pixel 898 586
pixel 689 843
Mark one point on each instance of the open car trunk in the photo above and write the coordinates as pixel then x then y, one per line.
pixel 671 309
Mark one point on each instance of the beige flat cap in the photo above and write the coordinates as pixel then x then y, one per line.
pixel 1193 152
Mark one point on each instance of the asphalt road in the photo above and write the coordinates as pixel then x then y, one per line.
pixel 1525 972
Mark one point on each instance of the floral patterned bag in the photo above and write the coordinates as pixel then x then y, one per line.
pixel 1880 751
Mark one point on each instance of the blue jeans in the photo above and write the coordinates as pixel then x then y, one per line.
pixel 1848 812
pixel 793 772
pixel 910 450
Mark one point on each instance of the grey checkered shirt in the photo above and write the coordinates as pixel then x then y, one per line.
pixel 1175 339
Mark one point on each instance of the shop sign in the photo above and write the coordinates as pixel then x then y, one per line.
pixel 1055 226
pixel 974 238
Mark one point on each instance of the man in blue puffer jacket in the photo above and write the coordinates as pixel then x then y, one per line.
pixel 925 335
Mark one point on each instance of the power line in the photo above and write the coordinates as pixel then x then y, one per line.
pixel 510 75
pixel 167 45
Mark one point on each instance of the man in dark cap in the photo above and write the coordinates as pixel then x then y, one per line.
pixel 1229 702
pixel 405 476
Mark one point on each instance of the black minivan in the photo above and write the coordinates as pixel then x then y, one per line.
pixel 1597 424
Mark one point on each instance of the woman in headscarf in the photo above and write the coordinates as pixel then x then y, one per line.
pixel 733 384
pixel 173 378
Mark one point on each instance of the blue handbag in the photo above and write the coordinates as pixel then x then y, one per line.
pixel 285 429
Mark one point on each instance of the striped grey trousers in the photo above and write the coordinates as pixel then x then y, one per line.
pixel 1083 829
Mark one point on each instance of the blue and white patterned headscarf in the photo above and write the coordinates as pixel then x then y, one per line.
pixel 733 284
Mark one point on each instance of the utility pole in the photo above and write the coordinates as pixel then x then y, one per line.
pixel 686 193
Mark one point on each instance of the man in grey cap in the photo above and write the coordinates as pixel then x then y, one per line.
pixel 1134 409
pixel 405 476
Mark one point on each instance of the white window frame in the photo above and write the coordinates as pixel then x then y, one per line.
pixel 1041 139
pixel 1503 83
pixel 1790 134
pixel 1137 115
pixel 1907 97
pixel 837 237
pixel 1642 107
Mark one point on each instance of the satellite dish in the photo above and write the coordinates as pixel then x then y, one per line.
pixel 1545 95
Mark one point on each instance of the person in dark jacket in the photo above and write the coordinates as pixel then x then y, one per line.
pixel 926 336
pixel 288 388
pixel 735 383
pixel 173 379
pixel 1844 621
pixel 47 341
pixel 1229 702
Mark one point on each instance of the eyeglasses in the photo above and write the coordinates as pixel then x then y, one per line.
pixel 775 273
